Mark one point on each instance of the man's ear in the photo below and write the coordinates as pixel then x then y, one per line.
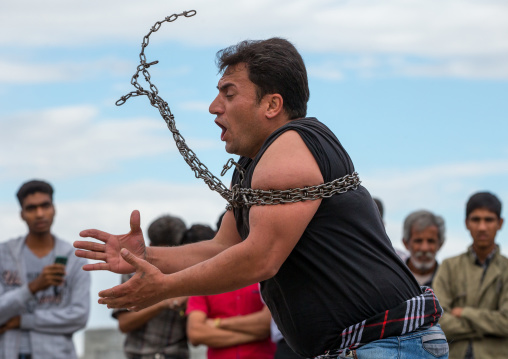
pixel 274 105
pixel 406 244
pixel 21 215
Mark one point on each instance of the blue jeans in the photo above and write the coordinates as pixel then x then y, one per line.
pixel 428 343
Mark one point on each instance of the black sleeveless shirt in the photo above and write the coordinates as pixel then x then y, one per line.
pixel 343 269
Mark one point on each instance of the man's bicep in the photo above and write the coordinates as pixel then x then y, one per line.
pixel 276 229
pixel 286 164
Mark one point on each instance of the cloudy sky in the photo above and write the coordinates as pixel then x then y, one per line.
pixel 415 90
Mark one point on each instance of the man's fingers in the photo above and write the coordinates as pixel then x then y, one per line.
pixel 96 266
pixel 98 256
pixel 114 293
pixel 114 303
pixel 95 233
pixel 90 246
pixel 122 302
pixel 135 221
pixel 131 258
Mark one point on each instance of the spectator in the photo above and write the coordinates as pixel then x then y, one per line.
pixel 157 331
pixel 198 232
pixel 44 294
pixel 473 287
pixel 423 237
pixel 233 325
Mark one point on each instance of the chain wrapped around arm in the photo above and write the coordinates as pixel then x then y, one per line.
pixel 237 196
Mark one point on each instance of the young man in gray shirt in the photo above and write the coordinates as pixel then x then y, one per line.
pixel 44 294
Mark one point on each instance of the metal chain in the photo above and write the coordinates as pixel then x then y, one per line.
pixel 250 197
pixel 238 196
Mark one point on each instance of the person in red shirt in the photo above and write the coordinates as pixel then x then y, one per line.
pixel 233 325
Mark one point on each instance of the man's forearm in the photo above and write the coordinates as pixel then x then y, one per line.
pixel 232 269
pixel 174 259
pixel 130 321
pixel 12 302
pixel 487 322
pixel 257 324
pixel 218 338
pixel 456 328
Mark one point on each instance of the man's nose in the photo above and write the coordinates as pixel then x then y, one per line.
pixel 482 225
pixel 216 107
pixel 425 247
pixel 39 211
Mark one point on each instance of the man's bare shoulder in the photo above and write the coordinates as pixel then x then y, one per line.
pixel 287 163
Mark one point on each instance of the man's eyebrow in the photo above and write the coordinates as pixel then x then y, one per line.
pixel 225 86
pixel 42 204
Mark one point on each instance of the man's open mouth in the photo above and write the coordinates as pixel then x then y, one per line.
pixel 223 131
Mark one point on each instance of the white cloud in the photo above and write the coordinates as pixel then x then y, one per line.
pixel 71 141
pixel 465 37
pixel 26 72
pixel 472 68
pixel 198 106
pixel 442 189
pixel 109 209
pixel 326 71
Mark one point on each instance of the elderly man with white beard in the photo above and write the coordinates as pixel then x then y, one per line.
pixel 423 237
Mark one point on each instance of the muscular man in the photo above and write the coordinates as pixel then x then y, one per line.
pixel 473 287
pixel 41 303
pixel 328 272
pixel 423 237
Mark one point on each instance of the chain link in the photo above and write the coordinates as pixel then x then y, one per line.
pixel 238 196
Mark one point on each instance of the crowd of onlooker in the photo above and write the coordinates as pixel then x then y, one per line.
pixel 472 287
pixel 44 294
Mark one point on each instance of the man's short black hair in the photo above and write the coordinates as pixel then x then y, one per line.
pixel 32 187
pixel 198 233
pixel 166 231
pixel 484 200
pixel 274 66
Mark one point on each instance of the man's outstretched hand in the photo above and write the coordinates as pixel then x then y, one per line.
pixel 109 252
pixel 144 289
